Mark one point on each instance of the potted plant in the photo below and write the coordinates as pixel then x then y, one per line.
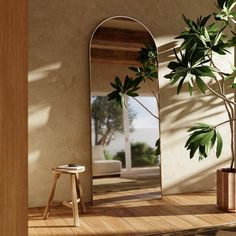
pixel 194 64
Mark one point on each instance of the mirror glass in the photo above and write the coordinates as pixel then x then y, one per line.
pixel 125 164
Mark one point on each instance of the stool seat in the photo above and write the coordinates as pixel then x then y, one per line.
pixel 69 171
pixel 76 189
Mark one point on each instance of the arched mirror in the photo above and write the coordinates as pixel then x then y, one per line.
pixel 125 159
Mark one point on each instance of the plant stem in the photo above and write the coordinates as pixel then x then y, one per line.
pixel 153 92
pixel 224 122
pixel 219 95
pixel 231 119
pixel 145 108
pixel 229 109
pixel 232 145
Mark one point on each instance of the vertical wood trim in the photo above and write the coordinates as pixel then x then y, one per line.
pixel 225 190
pixel 234 191
pixel 231 191
pixel 219 187
pixel 13 118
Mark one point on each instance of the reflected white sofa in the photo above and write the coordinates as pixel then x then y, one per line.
pixel 102 167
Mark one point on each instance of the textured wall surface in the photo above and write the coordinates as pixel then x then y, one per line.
pixel 59 91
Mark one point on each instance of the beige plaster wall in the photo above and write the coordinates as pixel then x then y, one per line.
pixel 59 110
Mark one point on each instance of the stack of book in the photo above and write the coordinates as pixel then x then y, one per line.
pixel 71 167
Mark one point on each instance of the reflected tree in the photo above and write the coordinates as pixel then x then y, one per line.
pixel 108 119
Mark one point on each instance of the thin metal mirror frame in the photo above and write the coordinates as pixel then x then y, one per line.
pixel 90 77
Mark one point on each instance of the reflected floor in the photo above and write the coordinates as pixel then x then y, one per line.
pixel 126 188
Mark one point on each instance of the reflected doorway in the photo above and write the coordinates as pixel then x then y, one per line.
pixel 124 161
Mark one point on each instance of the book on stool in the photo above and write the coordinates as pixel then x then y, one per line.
pixel 70 167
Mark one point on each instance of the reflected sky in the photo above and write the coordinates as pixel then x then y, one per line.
pixel 143 118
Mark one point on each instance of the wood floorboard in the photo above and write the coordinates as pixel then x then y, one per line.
pixel 173 220
pixel 184 214
pixel 204 207
pixel 133 216
pixel 148 215
pixel 198 207
pixel 115 219
pixel 36 224
pixel 57 224
pixel 139 217
pixel 127 196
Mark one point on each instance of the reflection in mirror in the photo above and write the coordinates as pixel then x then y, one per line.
pixel 125 164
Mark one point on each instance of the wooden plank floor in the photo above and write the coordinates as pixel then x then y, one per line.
pixel 113 197
pixel 143 217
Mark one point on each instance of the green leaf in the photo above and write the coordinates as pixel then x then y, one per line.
pixel 221 3
pixel 180 85
pixel 133 89
pixel 191 137
pixel 176 56
pixel 137 81
pixel 205 71
pixel 154 75
pixel 135 69
pixel 200 126
pixel 158 147
pixel 231 76
pixel 213 28
pixel 206 34
pixel 118 81
pixel 201 85
pixel 204 125
pixel 127 83
pixel 202 152
pixel 198 138
pixel 193 149
pixel 213 139
pixel 173 65
pixel 132 94
pixel 207 138
pixel 169 76
pixel 204 20
pixel 219 145
pixel 190 89
pixel 114 85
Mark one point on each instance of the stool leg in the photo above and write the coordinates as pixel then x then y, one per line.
pixel 74 200
pixel 50 198
pixel 80 193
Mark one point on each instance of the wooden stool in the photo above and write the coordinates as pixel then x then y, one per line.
pixel 76 192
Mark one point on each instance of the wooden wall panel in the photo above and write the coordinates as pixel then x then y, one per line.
pixel 13 118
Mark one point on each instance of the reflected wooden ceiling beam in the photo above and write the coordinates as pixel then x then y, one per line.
pixel 114 57
pixel 124 38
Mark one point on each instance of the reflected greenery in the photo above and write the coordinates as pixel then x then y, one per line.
pixel 142 155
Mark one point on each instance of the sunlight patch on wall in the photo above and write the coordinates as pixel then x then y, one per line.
pixel 34 156
pixel 38 117
pixel 42 72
